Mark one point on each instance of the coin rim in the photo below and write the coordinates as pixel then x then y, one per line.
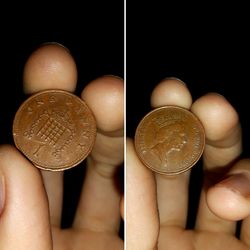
pixel 170 173
pixel 43 167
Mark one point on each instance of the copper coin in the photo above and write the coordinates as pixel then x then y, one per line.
pixel 170 140
pixel 54 129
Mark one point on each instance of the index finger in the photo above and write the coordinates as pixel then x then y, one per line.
pixel 51 66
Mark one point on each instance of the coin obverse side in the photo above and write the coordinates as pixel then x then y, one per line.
pixel 54 129
pixel 169 140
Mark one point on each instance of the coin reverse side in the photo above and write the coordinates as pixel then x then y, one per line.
pixel 54 129
pixel 169 140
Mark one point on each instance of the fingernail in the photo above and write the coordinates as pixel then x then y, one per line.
pixel 238 183
pixel 2 192
pixel 174 78
pixel 115 76
pixel 217 94
pixel 54 43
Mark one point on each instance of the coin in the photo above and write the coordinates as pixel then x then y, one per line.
pixel 54 129
pixel 169 140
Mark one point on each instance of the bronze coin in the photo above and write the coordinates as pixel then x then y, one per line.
pixel 169 140
pixel 54 129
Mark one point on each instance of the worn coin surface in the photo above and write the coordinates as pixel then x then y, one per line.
pixel 169 140
pixel 54 129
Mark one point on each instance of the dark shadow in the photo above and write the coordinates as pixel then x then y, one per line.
pixel 73 181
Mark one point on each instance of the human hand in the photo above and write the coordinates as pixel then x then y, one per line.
pixel 31 200
pixel 157 205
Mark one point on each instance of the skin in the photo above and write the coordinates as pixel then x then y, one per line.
pixel 157 205
pixel 31 208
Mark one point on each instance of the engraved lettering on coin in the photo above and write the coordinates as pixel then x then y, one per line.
pixel 52 98
pixel 39 102
pixel 50 135
pixel 29 110
pixel 169 140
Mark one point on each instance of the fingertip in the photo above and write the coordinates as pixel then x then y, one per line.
pixel 131 156
pixel 129 144
pixel 227 204
pixel 25 197
pixel 171 91
pixel 105 97
pixel 51 66
pixel 136 171
pixel 142 224
pixel 230 198
pixel 217 115
pixel 14 165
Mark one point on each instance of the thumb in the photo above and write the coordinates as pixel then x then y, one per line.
pixel 142 220
pixel 230 198
pixel 24 217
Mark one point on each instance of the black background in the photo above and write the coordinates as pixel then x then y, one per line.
pixel 93 31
